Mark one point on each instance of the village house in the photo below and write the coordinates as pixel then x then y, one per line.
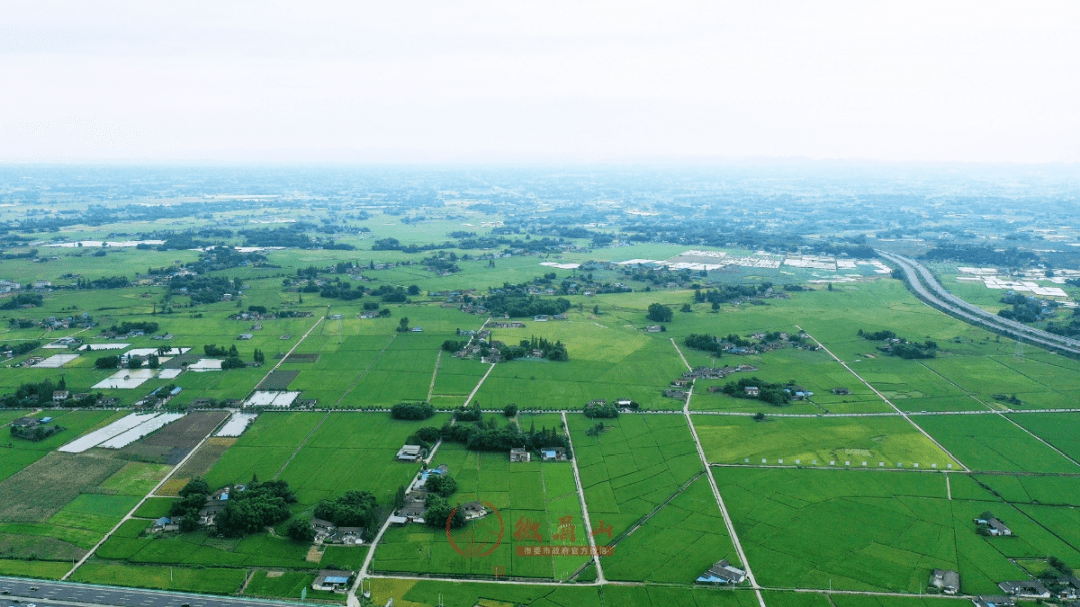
pixel 993 526
pixel 165 525
pixel 1070 587
pixel 474 511
pixel 946 580
pixel 753 391
pixel 330 580
pixel 60 396
pixel 411 453
pixel 556 454
pixel 676 393
pixel 520 455
pixel 1025 589
pixel 722 572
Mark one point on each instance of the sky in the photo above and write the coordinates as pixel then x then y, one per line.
pixel 551 81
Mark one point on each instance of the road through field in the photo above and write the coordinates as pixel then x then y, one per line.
pixel 716 489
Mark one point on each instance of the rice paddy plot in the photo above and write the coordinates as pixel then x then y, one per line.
pixel 633 465
pixel 843 441
pixel 1058 429
pixel 1027 489
pixel 203 579
pixel 199 548
pixel 990 442
pixel 856 530
pixel 43 488
pixel 680 542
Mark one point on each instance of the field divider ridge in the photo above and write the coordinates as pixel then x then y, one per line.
pixel 364 373
pixel 584 507
pixel 719 498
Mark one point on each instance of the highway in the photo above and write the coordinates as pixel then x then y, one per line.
pixel 23 592
pixel 928 289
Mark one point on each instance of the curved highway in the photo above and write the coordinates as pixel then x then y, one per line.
pixel 928 289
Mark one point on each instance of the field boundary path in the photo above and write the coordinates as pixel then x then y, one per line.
pixel 150 493
pixel 887 401
pixel 584 507
pixel 295 346
pixel 716 493
pixel 688 367
pixel 325 417
pixel 434 374
pixel 364 373
pixel 478 384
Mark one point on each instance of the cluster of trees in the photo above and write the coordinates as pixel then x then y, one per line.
pixel 606 410
pixel 1007 398
pixel 204 289
pixel 441 264
pixel 728 293
pixel 659 313
pixel 223 258
pixel 596 430
pixel 441 484
pixel 108 282
pixel 1068 329
pixel 439 512
pixel 412 411
pixel 468 413
pixel 255 508
pixel 774 394
pixel 877 335
pixel 107 362
pixel 22 299
pixel 708 343
pixel 32 395
pixel 351 509
pixel 982 255
pixel 215 350
pixel 20 348
pixel 551 350
pixel 900 346
pixel 193 498
pixel 453 345
pixel 22 323
pixel 487 436
pixel 1024 309
pixel 232 356
pixel 282 237
pixel 37 433
pixel 398 294
pixel 127 327
pixel 524 306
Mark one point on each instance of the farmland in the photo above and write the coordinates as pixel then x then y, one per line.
pixel 868 479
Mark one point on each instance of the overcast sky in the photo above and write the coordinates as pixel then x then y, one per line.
pixel 542 81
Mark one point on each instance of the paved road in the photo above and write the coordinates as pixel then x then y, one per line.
pixel 927 288
pixel 52 594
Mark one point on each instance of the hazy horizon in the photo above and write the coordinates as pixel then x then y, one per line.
pixel 558 83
